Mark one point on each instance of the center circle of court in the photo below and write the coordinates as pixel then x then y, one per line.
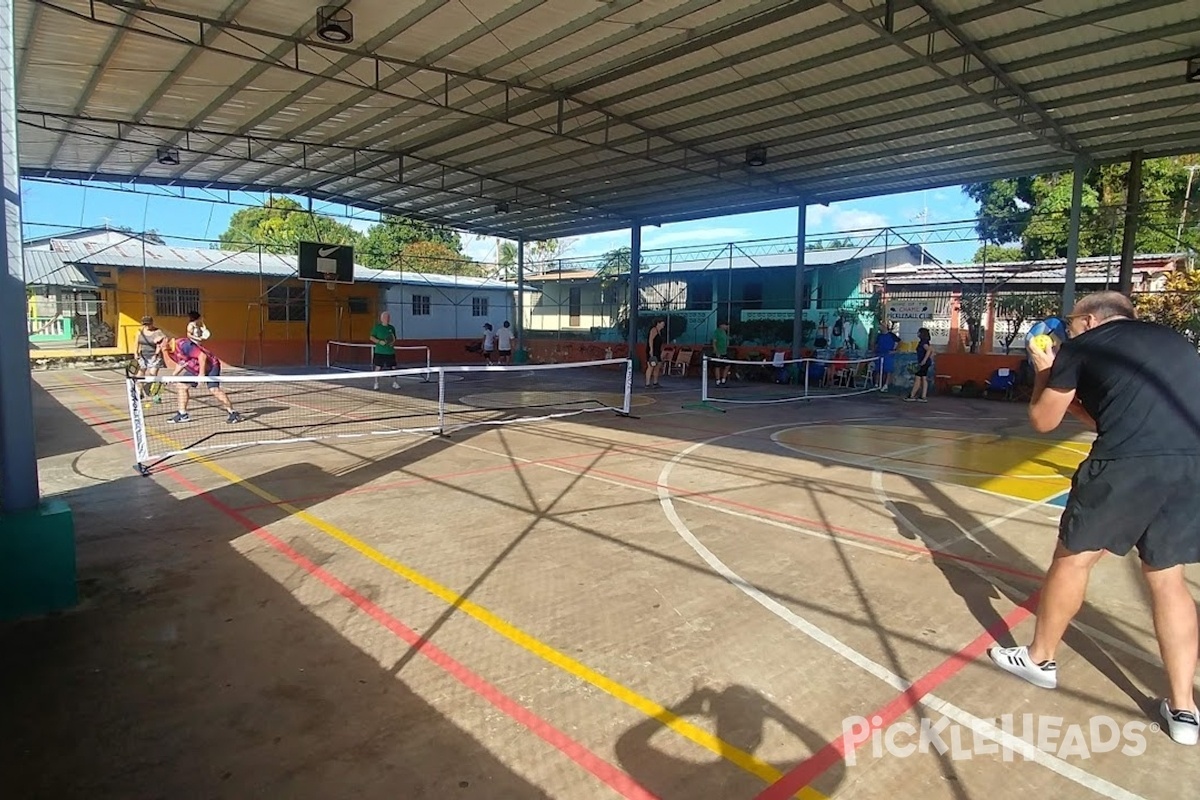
pixel 553 398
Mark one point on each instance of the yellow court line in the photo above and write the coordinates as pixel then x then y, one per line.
pixel 650 708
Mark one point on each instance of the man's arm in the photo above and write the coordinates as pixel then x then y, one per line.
pixel 1048 406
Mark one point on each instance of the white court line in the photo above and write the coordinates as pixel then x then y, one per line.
pixel 934 703
pixel 1087 630
pixel 694 502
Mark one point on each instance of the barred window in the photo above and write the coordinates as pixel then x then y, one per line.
pixel 285 304
pixel 171 301
pixel 479 306
pixel 420 305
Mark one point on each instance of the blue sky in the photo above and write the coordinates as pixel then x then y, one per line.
pixel 50 207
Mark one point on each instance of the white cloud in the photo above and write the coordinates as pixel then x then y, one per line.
pixel 835 219
pixel 694 236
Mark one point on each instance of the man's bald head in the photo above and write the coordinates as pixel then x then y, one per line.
pixel 1104 306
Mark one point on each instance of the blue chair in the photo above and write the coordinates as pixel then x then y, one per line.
pixel 1003 381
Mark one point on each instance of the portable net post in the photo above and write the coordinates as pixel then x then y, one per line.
pixel 704 399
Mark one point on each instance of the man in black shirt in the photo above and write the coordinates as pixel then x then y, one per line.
pixel 1137 385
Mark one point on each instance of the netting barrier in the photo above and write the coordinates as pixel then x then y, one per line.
pixel 239 410
pixel 356 357
pixel 726 380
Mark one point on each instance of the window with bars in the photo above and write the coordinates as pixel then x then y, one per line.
pixel 420 305
pixel 285 304
pixel 172 301
pixel 479 306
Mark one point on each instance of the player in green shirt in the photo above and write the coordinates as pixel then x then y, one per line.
pixel 721 350
pixel 383 335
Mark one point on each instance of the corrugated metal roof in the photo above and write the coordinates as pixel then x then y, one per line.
pixel 1088 270
pixel 553 119
pixel 722 259
pixel 136 255
pixel 46 268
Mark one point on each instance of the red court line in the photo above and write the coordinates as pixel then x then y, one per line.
pixel 619 449
pixel 815 765
pixel 812 523
pixel 611 775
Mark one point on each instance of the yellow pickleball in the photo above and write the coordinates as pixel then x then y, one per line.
pixel 1043 342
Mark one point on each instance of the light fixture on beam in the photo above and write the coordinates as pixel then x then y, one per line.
pixel 335 24
pixel 502 207
pixel 1193 69
pixel 756 155
pixel 168 156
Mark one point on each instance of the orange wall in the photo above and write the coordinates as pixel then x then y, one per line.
pixel 236 314
pixel 962 367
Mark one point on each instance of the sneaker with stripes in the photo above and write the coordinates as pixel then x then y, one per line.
pixel 1183 725
pixel 1016 661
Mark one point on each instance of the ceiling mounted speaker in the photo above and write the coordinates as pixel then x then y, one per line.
pixel 756 155
pixel 168 156
pixel 335 24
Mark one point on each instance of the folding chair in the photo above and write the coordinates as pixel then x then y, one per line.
pixel 683 360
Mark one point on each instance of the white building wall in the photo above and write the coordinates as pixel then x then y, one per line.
pixel 453 312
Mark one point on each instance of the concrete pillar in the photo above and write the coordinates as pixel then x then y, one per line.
pixel 37 540
pixel 801 301
pixel 520 292
pixel 635 269
pixel 18 456
pixel 1133 206
pixel 1081 167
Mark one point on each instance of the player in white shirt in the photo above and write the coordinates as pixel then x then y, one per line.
pixel 504 340
pixel 489 342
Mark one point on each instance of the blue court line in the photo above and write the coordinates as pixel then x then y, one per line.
pixel 1059 500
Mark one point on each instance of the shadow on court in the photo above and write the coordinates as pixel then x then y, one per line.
pixel 738 716
pixel 979 590
pixel 190 669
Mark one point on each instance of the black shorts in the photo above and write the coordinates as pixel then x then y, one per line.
pixel 923 371
pixel 383 360
pixel 1147 502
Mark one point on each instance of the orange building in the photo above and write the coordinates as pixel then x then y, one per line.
pixel 258 312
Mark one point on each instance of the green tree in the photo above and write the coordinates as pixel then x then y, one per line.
pixel 997 253
pixel 1177 306
pixel 1034 212
pixel 436 258
pixel 280 224
pixel 387 239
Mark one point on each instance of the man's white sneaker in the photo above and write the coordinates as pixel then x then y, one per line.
pixel 1016 660
pixel 1182 726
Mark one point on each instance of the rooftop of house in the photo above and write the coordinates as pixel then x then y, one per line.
pixel 1094 269
pixel 904 256
pixel 84 256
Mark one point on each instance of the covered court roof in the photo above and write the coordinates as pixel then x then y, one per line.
pixel 548 118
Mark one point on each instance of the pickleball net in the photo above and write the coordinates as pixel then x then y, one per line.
pixel 787 380
pixel 286 409
pixel 356 357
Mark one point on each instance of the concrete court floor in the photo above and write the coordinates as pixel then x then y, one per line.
pixel 684 605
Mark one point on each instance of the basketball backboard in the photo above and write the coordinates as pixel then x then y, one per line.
pixel 332 263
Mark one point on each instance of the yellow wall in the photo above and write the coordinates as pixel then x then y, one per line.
pixel 235 310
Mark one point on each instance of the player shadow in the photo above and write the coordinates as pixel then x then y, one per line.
pixel 997 549
pixel 191 669
pixel 740 718
pixel 977 593
pixel 60 431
